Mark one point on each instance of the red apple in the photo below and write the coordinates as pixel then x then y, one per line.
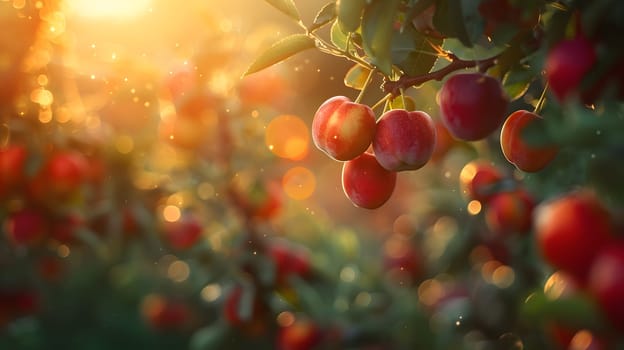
pixel 473 105
pixel 571 230
pixel 63 229
pixel 183 233
pixel 289 261
pixel 162 313
pixel 404 140
pixel 510 212
pixel 61 177
pixel 606 283
pixel 519 153
pixel 366 183
pixel 343 129
pixel 477 178
pixel 301 335
pixel 12 163
pixel 26 227
pixel 567 63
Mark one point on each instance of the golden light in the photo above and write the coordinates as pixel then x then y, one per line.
pixel 178 271
pixel 211 292
pixel 171 213
pixel 108 8
pixel 299 183
pixel 474 207
pixel 287 137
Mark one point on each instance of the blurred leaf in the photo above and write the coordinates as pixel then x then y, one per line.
pixel 350 14
pixel 578 311
pixel 405 102
pixel 413 52
pixel 356 77
pixel 338 37
pixel 516 82
pixel 324 16
pixel 286 6
pixel 377 32
pixel 280 51
pixel 210 337
pixel 245 306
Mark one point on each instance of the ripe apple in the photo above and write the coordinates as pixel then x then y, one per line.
pixel 289 261
pixel 510 212
pixel 61 176
pixel 163 313
pixel 606 283
pixel 343 129
pixel 301 335
pixel 183 233
pixel 477 178
pixel 27 226
pixel 12 163
pixel 366 183
pixel 567 63
pixel 404 140
pixel 473 105
pixel 232 314
pixel 571 230
pixel 519 153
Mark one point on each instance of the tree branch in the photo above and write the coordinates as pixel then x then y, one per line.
pixel 405 81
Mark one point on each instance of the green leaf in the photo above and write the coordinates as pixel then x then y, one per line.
pixel 324 16
pixel 286 6
pixel 517 81
pixel 338 37
pixel 280 51
pixel 377 32
pixel 350 14
pixel 356 77
pixel 446 20
pixel 413 52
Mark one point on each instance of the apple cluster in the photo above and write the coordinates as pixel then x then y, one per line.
pixel 472 106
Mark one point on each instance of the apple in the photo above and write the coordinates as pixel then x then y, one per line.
pixel 300 335
pixel 519 153
pixel 473 105
pixel 12 168
pixel 27 226
pixel 606 283
pixel 567 64
pixel 477 178
pixel 343 129
pixel 183 233
pixel 404 140
pixel 289 261
pixel 366 183
pixel 510 212
pixel 571 230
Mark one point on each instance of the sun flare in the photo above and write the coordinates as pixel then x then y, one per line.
pixel 109 8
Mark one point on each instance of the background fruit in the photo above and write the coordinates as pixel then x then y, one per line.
pixel 472 105
pixel 517 151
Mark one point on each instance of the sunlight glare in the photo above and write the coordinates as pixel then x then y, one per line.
pixel 108 8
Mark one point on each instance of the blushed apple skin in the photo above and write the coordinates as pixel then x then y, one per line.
pixel 404 140
pixel 343 129
pixel 366 183
pixel 571 230
pixel 472 105
pixel 510 212
pixel 606 283
pixel 519 153
pixel 566 65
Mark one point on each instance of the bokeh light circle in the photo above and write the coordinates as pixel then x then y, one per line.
pixel 287 136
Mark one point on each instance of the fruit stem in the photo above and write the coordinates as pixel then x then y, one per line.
pixel 369 78
pixel 405 81
pixel 542 99
pixel 383 100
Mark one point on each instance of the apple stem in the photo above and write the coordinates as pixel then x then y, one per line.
pixel 369 78
pixel 405 81
pixel 541 101
pixel 382 100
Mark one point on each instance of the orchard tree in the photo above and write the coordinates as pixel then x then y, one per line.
pixel 481 148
